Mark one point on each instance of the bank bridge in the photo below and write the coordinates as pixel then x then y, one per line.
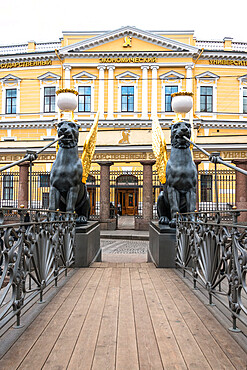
pixel 122 312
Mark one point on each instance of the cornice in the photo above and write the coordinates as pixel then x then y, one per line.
pixel 123 123
pixel 27 57
pixel 221 54
pixel 26 124
pixel 224 124
pixel 130 54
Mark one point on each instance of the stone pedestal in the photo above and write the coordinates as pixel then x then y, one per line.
pixel 241 188
pixel 162 245
pixel 87 244
pixel 23 185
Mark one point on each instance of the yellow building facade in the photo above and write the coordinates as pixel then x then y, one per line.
pixel 128 75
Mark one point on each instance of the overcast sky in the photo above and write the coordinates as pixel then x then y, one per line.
pixel 44 20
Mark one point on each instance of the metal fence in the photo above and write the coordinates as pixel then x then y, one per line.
pixel 34 251
pixel 214 254
pixel 126 191
pixel 216 190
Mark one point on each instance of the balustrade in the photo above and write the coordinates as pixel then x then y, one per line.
pixel 213 250
pixel 34 251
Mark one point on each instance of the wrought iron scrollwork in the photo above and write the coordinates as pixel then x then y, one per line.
pixel 215 254
pixel 32 254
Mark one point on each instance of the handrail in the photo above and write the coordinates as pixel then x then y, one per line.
pixel 30 155
pixel 214 158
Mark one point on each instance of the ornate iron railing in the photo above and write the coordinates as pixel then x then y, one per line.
pixel 214 253
pixel 33 253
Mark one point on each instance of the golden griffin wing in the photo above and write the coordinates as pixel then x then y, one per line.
pixel 159 149
pixel 89 148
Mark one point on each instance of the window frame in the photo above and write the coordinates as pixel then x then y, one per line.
pixel 52 108
pixel 206 191
pixel 84 95
pixel 85 79
pixel 128 95
pixel 169 97
pixel 8 190
pixel 208 103
pixel 11 99
pixel 10 82
pixel 48 79
pixel 127 78
pixel 171 78
pixel 244 100
pixel 207 79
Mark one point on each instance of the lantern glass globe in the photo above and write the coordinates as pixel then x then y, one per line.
pixel 182 103
pixel 67 101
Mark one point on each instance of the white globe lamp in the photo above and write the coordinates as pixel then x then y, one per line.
pixel 67 100
pixel 182 102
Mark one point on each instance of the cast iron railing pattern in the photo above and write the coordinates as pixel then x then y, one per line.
pixel 215 254
pixel 40 185
pixel 33 253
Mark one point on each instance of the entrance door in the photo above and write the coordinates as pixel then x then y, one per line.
pixel 128 201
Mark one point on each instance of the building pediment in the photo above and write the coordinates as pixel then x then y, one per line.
pixel 207 76
pixel 10 78
pixel 128 75
pixel 49 76
pixel 126 40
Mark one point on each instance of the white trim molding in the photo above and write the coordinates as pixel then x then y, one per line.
pixel 170 78
pixel 144 91
pixel 48 79
pixel 10 82
pixel 110 91
pixel 130 79
pixel 84 79
pixel 207 79
pixel 242 86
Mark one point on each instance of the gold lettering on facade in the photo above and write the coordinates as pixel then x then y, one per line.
pixel 128 60
pixel 228 62
pixel 32 63
pixel 127 41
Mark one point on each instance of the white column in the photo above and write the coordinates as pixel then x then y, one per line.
pixel 189 88
pixel 144 91
pixel 101 99
pixel 67 69
pixel 110 91
pixel 189 80
pixel 154 90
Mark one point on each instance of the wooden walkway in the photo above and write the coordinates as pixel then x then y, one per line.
pixel 125 316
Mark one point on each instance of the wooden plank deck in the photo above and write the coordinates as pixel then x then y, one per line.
pixel 125 316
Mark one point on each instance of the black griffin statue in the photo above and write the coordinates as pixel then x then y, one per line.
pixel 179 190
pixel 67 191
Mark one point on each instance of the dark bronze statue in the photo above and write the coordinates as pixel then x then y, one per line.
pixel 179 190
pixel 67 191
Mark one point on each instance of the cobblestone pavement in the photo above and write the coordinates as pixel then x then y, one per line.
pixel 124 250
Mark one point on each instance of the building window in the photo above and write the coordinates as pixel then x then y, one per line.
pixel 49 99
pixel 206 99
pixel 127 99
pixel 8 187
pixel 44 181
pixel 84 99
pixel 168 91
pixel 11 98
pixel 206 188
pixel 245 100
pixel 45 200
